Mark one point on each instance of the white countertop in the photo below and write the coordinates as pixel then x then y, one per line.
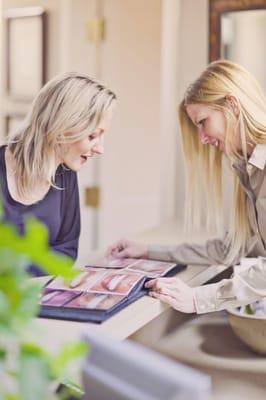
pixel 152 323
pixel 134 317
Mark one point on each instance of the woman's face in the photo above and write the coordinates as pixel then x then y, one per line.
pixel 78 153
pixel 211 124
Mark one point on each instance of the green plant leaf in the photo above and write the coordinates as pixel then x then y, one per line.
pixel 2 354
pixel 39 253
pixel 69 389
pixel 4 305
pixel 33 374
pixel 71 351
pixel 248 309
pixel 33 369
pixel 10 396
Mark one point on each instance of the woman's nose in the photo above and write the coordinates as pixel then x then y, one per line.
pixel 98 148
pixel 204 138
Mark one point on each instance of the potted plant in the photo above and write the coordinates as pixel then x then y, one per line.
pixel 27 371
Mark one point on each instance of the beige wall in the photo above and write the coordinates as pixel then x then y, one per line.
pixel 53 7
pixel 193 58
pixel 68 48
pixel 143 149
pixel 142 162
pixel 130 167
pixel 129 61
pixel 250 28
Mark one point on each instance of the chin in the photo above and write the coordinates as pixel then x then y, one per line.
pixel 73 166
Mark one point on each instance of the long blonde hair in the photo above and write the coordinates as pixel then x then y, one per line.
pixel 218 81
pixel 65 110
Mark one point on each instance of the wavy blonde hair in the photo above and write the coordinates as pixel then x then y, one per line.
pixel 218 81
pixel 65 110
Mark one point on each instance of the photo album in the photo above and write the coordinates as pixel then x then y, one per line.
pixel 101 289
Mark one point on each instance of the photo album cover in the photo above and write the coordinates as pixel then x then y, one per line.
pixel 101 289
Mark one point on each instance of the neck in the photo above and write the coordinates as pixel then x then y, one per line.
pixel 250 147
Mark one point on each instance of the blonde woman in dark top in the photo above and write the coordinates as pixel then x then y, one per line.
pixel 38 165
pixel 223 113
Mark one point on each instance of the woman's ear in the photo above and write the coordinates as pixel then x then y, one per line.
pixel 233 103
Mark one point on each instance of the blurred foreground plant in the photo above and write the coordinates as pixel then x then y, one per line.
pixel 27 371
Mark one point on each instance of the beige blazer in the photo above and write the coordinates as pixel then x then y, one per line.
pixel 247 284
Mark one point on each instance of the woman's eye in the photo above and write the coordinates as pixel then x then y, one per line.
pixel 95 135
pixel 201 122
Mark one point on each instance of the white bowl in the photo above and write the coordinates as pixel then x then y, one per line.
pixel 251 329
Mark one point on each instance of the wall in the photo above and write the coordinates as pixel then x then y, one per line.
pixel 143 150
pixel 193 58
pixel 130 167
pixel 129 62
pixel 68 48
pixel 250 28
pixel 151 52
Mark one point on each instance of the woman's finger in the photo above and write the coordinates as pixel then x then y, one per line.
pixel 150 284
pixel 169 292
pixel 166 299
pixel 159 283
pixel 168 280
pixel 177 305
pixel 116 247
pixel 155 284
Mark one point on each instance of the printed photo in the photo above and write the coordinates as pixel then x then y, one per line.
pixel 57 298
pixel 151 268
pixel 115 263
pixel 44 280
pixel 80 282
pixel 95 301
pixel 117 283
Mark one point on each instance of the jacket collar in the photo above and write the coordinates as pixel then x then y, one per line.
pixel 258 156
pixel 257 159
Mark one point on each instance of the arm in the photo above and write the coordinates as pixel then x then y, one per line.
pixel 246 286
pixel 211 252
pixel 68 236
pixel 66 242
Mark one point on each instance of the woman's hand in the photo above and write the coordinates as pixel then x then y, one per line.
pixel 126 249
pixel 174 292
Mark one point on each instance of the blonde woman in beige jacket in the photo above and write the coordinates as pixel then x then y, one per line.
pixel 223 113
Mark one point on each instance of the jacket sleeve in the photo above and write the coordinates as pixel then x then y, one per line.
pixel 246 285
pixel 211 252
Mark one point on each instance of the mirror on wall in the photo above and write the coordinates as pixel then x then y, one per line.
pixel 237 32
pixel 243 40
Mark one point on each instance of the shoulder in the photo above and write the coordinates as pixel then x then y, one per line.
pixel 258 182
pixel 2 161
pixel 2 153
pixel 71 177
pixel 68 181
pixel 66 176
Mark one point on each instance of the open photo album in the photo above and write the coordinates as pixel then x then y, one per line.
pixel 101 289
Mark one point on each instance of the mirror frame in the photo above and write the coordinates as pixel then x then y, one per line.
pixel 219 7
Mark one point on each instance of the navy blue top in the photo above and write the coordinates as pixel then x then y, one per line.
pixel 59 210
